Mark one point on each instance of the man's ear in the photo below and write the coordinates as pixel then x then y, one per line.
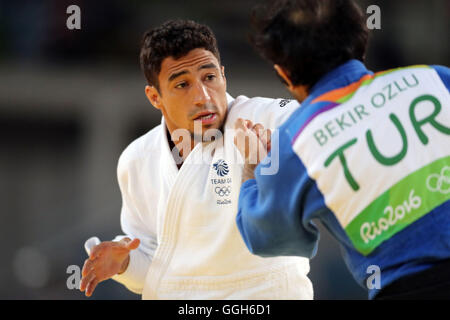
pixel 153 96
pixel 284 75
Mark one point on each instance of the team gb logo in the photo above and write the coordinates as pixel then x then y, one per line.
pixel 221 168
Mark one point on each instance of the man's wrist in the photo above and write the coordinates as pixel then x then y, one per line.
pixel 248 172
pixel 124 265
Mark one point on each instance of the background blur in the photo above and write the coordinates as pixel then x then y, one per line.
pixel 72 100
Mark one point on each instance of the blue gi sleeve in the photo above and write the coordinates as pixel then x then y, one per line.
pixel 275 211
pixel 444 74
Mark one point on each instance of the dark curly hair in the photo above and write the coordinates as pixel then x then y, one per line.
pixel 309 38
pixel 175 38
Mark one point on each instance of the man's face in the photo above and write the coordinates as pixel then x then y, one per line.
pixel 192 88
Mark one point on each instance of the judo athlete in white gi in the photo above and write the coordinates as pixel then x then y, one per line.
pixel 180 191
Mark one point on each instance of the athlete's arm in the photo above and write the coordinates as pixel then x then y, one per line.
pixel 275 210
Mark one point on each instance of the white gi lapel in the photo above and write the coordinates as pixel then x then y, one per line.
pixel 168 165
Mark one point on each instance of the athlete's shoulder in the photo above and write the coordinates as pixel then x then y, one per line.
pixel 143 146
pixel 268 111
pixel 443 73
pixel 258 103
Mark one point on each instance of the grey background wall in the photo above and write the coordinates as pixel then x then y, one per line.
pixel 70 102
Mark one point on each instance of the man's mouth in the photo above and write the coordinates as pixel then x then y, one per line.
pixel 206 117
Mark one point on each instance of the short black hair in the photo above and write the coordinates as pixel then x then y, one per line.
pixel 174 38
pixel 309 38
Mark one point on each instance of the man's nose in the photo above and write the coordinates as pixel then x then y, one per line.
pixel 201 95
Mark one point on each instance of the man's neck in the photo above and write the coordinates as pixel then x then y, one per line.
pixel 174 151
pixel 180 151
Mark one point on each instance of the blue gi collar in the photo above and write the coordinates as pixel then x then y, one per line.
pixel 343 75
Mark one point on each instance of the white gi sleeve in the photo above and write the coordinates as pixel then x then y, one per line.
pixel 271 113
pixel 133 227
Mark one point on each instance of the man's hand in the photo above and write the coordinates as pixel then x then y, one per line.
pixel 253 142
pixel 106 260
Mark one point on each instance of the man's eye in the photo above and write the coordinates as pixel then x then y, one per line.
pixel 210 77
pixel 181 85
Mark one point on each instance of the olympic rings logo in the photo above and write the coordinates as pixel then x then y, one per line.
pixel 439 182
pixel 223 191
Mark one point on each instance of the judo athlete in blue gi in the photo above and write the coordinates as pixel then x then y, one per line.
pixel 367 154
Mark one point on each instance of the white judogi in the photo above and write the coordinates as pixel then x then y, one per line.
pixel 190 245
